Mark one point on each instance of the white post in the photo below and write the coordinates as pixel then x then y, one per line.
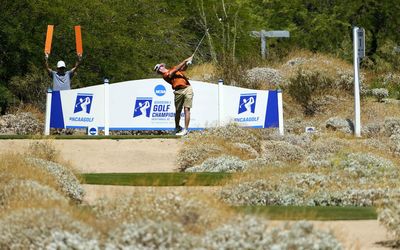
pixel 220 102
pixel 106 106
pixel 357 112
pixel 280 113
pixel 48 112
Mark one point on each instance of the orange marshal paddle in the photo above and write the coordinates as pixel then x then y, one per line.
pixel 49 38
pixel 78 40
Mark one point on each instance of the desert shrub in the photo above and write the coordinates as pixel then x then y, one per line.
pixel 246 149
pixel 380 94
pixel 149 234
pixel 43 149
pixel 15 167
pixel 45 229
pixel 392 126
pixel 325 146
pixel 338 71
pixel 263 77
pixel 395 144
pixel 302 140
pixel 229 140
pixel 361 165
pixel 64 177
pixel 305 86
pixel 282 151
pixel 6 98
pixel 222 163
pixel 31 88
pixel 389 216
pixel 303 190
pixel 315 160
pixel 23 123
pixel 233 133
pixel 193 154
pixel 28 192
pixel 371 129
pixel 251 233
pixel 194 213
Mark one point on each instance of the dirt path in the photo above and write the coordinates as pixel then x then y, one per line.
pixel 117 156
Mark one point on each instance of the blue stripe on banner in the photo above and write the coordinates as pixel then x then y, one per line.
pixel 272 112
pixel 56 115
pixel 76 127
pixel 190 129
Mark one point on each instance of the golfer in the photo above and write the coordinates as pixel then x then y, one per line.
pixel 61 78
pixel 182 90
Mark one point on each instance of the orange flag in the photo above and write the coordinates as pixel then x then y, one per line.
pixel 78 40
pixel 49 38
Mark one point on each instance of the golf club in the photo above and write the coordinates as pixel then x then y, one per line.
pixel 198 45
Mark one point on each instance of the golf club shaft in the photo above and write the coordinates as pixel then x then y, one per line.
pixel 198 45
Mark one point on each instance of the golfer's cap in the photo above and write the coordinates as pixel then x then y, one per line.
pixel 158 66
pixel 60 64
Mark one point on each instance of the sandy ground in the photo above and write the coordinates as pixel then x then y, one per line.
pixel 111 156
pixel 159 155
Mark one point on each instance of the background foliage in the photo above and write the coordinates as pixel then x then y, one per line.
pixel 123 39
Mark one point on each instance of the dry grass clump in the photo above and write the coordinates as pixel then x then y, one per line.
pixel 230 140
pixel 150 234
pixel 43 149
pixel 224 163
pixel 339 70
pixel 194 213
pixel 203 72
pixel 327 177
pixel 251 233
pixel 17 193
pixel 389 216
pixel 51 228
pixel 23 123
pixel 14 166
pixel 282 151
pixel 64 177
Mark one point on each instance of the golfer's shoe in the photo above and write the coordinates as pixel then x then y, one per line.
pixel 177 130
pixel 182 133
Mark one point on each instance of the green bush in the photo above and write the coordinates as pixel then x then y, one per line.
pixel 305 86
pixel 6 98
pixel 31 88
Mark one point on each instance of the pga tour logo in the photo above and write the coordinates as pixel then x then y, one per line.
pixel 83 103
pixel 247 103
pixel 142 107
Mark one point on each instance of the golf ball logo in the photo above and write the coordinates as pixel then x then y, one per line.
pixel 160 90
pixel 83 103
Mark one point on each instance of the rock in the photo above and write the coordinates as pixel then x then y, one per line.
pixel 340 124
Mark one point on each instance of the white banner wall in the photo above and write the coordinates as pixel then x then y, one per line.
pixel 148 104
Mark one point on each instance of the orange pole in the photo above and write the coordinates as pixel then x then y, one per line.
pixel 49 38
pixel 78 40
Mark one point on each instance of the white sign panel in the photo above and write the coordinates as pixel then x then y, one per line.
pixel 277 33
pixel 148 104
pixel 361 42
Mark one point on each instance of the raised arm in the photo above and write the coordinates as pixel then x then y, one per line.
pixel 46 63
pixel 181 66
pixel 77 63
